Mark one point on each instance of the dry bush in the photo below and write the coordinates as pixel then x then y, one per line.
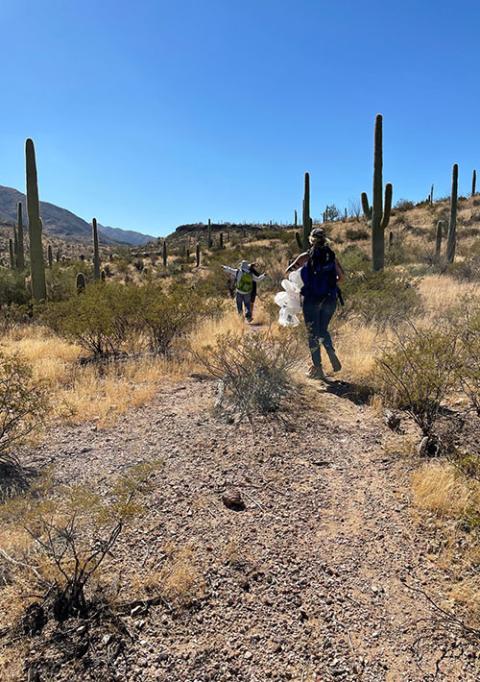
pixel 416 372
pixel 22 406
pixel 254 368
pixel 54 542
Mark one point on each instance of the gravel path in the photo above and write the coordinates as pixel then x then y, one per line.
pixel 308 583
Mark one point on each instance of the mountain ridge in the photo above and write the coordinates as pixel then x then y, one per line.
pixel 60 222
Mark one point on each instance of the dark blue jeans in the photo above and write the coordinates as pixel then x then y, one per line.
pixel 317 316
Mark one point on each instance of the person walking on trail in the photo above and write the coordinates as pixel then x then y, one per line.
pixel 254 271
pixel 320 273
pixel 244 280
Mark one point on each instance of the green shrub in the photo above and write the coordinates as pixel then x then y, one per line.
pixel 100 319
pixel 356 234
pixel 165 316
pixel 382 298
pixel 12 288
pixel 416 373
pixel 22 406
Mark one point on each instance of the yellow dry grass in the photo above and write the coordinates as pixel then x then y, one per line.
pixel 440 292
pixel 438 488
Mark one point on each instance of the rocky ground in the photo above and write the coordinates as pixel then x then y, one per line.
pixel 311 581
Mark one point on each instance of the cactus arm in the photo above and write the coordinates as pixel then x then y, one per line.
pixel 388 205
pixel 367 211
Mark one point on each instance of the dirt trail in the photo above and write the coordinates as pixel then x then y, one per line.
pixel 308 583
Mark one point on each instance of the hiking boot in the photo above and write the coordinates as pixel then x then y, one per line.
pixel 315 373
pixel 335 362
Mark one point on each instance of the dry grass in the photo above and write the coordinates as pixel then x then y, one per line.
pixel 439 488
pixel 440 292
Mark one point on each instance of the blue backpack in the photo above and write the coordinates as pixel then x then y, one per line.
pixel 319 275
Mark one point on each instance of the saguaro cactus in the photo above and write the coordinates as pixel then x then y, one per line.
pixel 438 239
pixel 37 265
pixel 221 240
pixel 81 283
pixel 164 253
pixel 474 183
pixel 198 255
pixel 306 212
pixel 209 238
pixel 50 256
pixel 11 251
pixel 96 252
pixel 295 219
pixel 379 214
pixel 20 240
pixel 452 225
pixel 430 196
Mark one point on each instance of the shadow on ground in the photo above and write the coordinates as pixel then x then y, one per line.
pixel 359 394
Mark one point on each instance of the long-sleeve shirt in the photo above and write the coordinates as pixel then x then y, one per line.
pixel 237 273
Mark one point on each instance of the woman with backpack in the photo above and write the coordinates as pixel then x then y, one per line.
pixel 244 280
pixel 320 272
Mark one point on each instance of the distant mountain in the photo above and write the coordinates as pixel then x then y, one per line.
pixel 125 236
pixel 61 223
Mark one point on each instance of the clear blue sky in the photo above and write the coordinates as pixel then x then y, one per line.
pixel 151 113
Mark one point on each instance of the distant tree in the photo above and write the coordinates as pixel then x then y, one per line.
pixel 355 208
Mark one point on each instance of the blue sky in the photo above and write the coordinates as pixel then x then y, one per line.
pixel 149 114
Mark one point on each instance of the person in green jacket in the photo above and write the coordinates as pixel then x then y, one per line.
pixel 244 280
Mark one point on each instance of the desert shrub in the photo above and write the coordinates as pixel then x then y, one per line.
pixel 382 298
pixel 404 205
pixel 100 319
pixel 416 372
pixel 467 270
pixel 356 234
pixel 22 405
pixel 164 316
pixel 12 288
pixel 465 322
pixel 56 538
pixel 254 369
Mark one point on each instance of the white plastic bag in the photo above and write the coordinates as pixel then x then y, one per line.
pixel 287 318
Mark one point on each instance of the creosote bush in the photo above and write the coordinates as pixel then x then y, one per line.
pixel 381 298
pixel 108 319
pixel 22 406
pixel 255 369
pixel 417 372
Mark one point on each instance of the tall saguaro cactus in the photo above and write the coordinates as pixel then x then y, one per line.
pixel 474 183
pixel 20 240
pixel 164 253
pixel 307 224
pixel 438 240
pixel 198 255
pixel 209 237
pixel 11 252
pixel 96 252
pixel 37 265
pixel 452 225
pixel 295 219
pixel 379 213
pixel 50 256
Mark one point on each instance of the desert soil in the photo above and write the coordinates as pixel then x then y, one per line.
pixel 309 582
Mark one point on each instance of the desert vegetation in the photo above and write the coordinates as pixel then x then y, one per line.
pixel 94 337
